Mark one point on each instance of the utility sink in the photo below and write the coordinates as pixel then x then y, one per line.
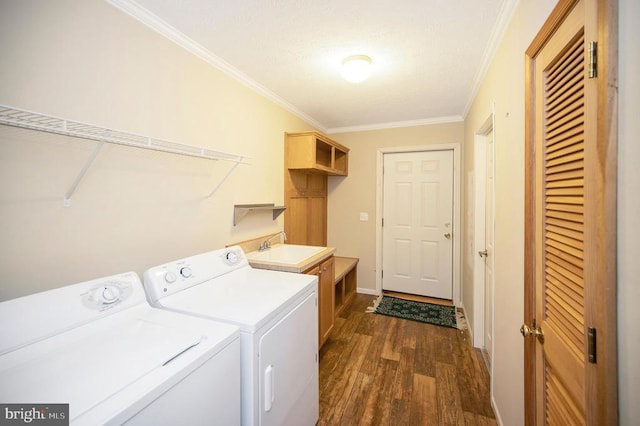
pixel 285 254
pixel 289 257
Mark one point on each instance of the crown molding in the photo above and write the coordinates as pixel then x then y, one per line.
pixel 169 32
pixel 152 21
pixel 502 23
pixel 396 124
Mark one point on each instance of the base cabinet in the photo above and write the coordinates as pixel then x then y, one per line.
pixel 326 297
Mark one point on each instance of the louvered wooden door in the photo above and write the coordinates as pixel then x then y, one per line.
pixel 569 231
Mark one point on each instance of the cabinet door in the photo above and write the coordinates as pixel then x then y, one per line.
pixel 317 221
pixel 296 220
pixel 326 299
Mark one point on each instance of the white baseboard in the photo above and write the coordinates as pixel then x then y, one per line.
pixel 496 412
pixel 370 291
pixel 469 323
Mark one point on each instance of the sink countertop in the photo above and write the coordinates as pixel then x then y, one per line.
pixel 279 265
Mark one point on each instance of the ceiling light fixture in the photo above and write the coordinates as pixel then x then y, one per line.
pixel 356 68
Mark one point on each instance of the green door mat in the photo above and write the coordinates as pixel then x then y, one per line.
pixel 430 313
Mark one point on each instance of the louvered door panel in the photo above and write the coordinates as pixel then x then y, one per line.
pixel 570 210
pixel 563 304
pixel 560 411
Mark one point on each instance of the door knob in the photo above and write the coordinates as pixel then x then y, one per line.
pixel 447 235
pixel 483 253
pixel 532 332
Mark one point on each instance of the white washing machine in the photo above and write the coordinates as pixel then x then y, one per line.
pixel 99 347
pixel 278 318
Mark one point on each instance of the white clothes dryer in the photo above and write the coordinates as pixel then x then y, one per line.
pixel 99 347
pixel 278 318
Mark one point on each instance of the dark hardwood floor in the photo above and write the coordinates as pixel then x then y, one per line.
pixel 379 370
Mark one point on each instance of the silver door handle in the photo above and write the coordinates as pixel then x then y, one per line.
pixel 483 253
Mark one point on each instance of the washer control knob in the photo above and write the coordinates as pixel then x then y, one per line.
pixel 107 294
pixel 170 277
pixel 186 271
pixel 110 294
pixel 231 258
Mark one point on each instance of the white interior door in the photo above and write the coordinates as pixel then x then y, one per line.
pixel 417 233
pixel 489 238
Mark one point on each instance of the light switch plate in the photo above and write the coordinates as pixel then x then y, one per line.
pixel 364 216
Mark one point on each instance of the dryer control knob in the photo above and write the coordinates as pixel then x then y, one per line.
pixel 231 258
pixel 170 277
pixel 186 272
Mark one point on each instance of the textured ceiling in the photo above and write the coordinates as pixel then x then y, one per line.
pixel 428 55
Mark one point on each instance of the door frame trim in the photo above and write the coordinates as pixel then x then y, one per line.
pixel 457 231
pixel 479 302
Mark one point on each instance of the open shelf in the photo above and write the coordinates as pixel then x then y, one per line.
pixel 47 123
pixel 346 280
pixel 241 210
pixel 315 152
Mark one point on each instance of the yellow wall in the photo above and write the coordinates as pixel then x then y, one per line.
pixel 504 85
pixel 357 193
pixel 88 61
pixel 628 213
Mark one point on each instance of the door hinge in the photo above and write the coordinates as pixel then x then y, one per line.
pixel 383 222
pixel 593 59
pixel 591 336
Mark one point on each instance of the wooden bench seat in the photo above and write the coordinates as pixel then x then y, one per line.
pixel 346 280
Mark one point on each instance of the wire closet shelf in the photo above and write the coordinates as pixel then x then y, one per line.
pixel 46 123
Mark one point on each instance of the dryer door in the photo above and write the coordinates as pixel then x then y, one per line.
pixel 288 357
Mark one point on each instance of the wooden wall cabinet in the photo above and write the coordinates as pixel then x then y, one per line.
pixel 326 297
pixel 315 151
pixel 309 159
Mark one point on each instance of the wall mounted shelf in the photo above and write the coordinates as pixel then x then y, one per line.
pixel 241 210
pixel 46 123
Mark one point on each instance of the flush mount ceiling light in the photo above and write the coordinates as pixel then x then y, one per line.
pixel 356 68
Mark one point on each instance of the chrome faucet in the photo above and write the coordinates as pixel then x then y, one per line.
pixel 266 244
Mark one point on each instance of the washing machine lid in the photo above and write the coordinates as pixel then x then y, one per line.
pixel 246 297
pixel 109 368
pixel 135 354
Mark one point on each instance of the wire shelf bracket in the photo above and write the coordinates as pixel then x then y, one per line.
pixel 16 117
